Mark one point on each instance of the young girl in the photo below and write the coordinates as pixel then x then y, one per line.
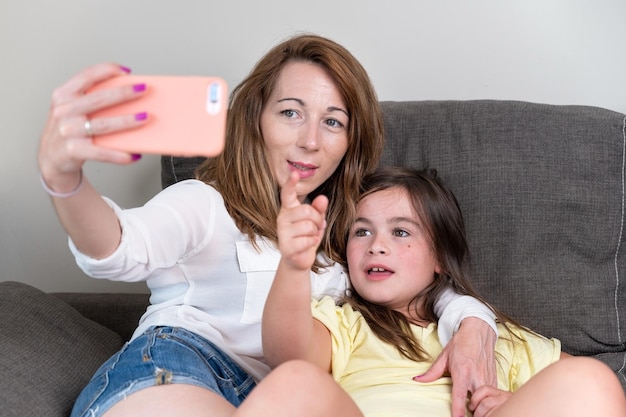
pixel 406 245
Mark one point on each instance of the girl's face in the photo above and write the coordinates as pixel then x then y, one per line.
pixel 304 126
pixel 390 258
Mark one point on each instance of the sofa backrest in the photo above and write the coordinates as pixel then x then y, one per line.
pixel 542 192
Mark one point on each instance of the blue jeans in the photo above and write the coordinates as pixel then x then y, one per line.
pixel 163 355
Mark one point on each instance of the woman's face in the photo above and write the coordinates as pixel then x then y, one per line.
pixel 304 125
pixel 390 258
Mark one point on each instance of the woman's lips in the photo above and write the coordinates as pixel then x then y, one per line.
pixel 304 170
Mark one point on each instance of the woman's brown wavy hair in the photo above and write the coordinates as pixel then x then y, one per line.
pixel 242 173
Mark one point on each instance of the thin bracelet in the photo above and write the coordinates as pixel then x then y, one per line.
pixel 62 195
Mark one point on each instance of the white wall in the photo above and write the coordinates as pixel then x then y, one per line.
pixel 551 51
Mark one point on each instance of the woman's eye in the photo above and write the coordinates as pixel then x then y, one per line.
pixel 334 123
pixel 289 113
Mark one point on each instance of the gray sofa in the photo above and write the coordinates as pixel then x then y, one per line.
pixel 542 190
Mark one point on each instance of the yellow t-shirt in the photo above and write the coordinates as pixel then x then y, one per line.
pixel 380 380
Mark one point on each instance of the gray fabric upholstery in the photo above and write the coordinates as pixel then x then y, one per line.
pixel 174 169
pixel 48 352
pixel 542 190
pixel 118 312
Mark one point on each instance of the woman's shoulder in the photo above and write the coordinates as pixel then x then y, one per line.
pixel 190 189
pixel 189 198
pixel 190 184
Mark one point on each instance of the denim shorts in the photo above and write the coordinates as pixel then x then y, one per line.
pixel 163 355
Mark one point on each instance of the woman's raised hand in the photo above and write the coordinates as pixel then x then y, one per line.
pixel 66 142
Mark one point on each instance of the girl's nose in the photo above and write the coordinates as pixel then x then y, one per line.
pixel 378 246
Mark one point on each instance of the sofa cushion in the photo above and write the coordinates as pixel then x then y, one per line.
pixel 175 168
pixel 542 191
pixel 119 312
pixel 49 352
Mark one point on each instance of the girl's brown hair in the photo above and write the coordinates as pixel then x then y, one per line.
pixel 440 215
pixel 242 173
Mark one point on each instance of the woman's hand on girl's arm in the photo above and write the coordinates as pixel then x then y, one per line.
pixel 469 358
pixel 469 354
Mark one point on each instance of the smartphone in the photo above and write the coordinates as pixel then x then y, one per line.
pixel 186 116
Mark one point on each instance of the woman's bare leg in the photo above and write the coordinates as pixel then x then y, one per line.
pixel 298 388
pixel 172 400
pixel 578 386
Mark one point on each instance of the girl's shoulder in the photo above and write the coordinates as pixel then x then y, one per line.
pixel 329 312
pixel 525 351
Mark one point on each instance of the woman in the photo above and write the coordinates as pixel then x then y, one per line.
pixel 207 247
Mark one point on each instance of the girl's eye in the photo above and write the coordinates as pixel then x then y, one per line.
pixel 362 232
pixel 400 233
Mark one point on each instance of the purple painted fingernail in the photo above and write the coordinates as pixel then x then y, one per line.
pixel 125 69
pixel 138 88
pixel 135 156
pixel 141 116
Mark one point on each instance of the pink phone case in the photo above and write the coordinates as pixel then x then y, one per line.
pixel 186 116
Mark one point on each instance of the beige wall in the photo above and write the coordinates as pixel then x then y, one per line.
pixel 553 51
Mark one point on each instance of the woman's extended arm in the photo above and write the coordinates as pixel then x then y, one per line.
pixel 65 146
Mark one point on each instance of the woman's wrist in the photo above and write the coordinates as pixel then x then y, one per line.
pixel 453 308
pixel 58 194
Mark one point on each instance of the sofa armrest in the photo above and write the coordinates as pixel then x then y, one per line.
pixel 119 312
